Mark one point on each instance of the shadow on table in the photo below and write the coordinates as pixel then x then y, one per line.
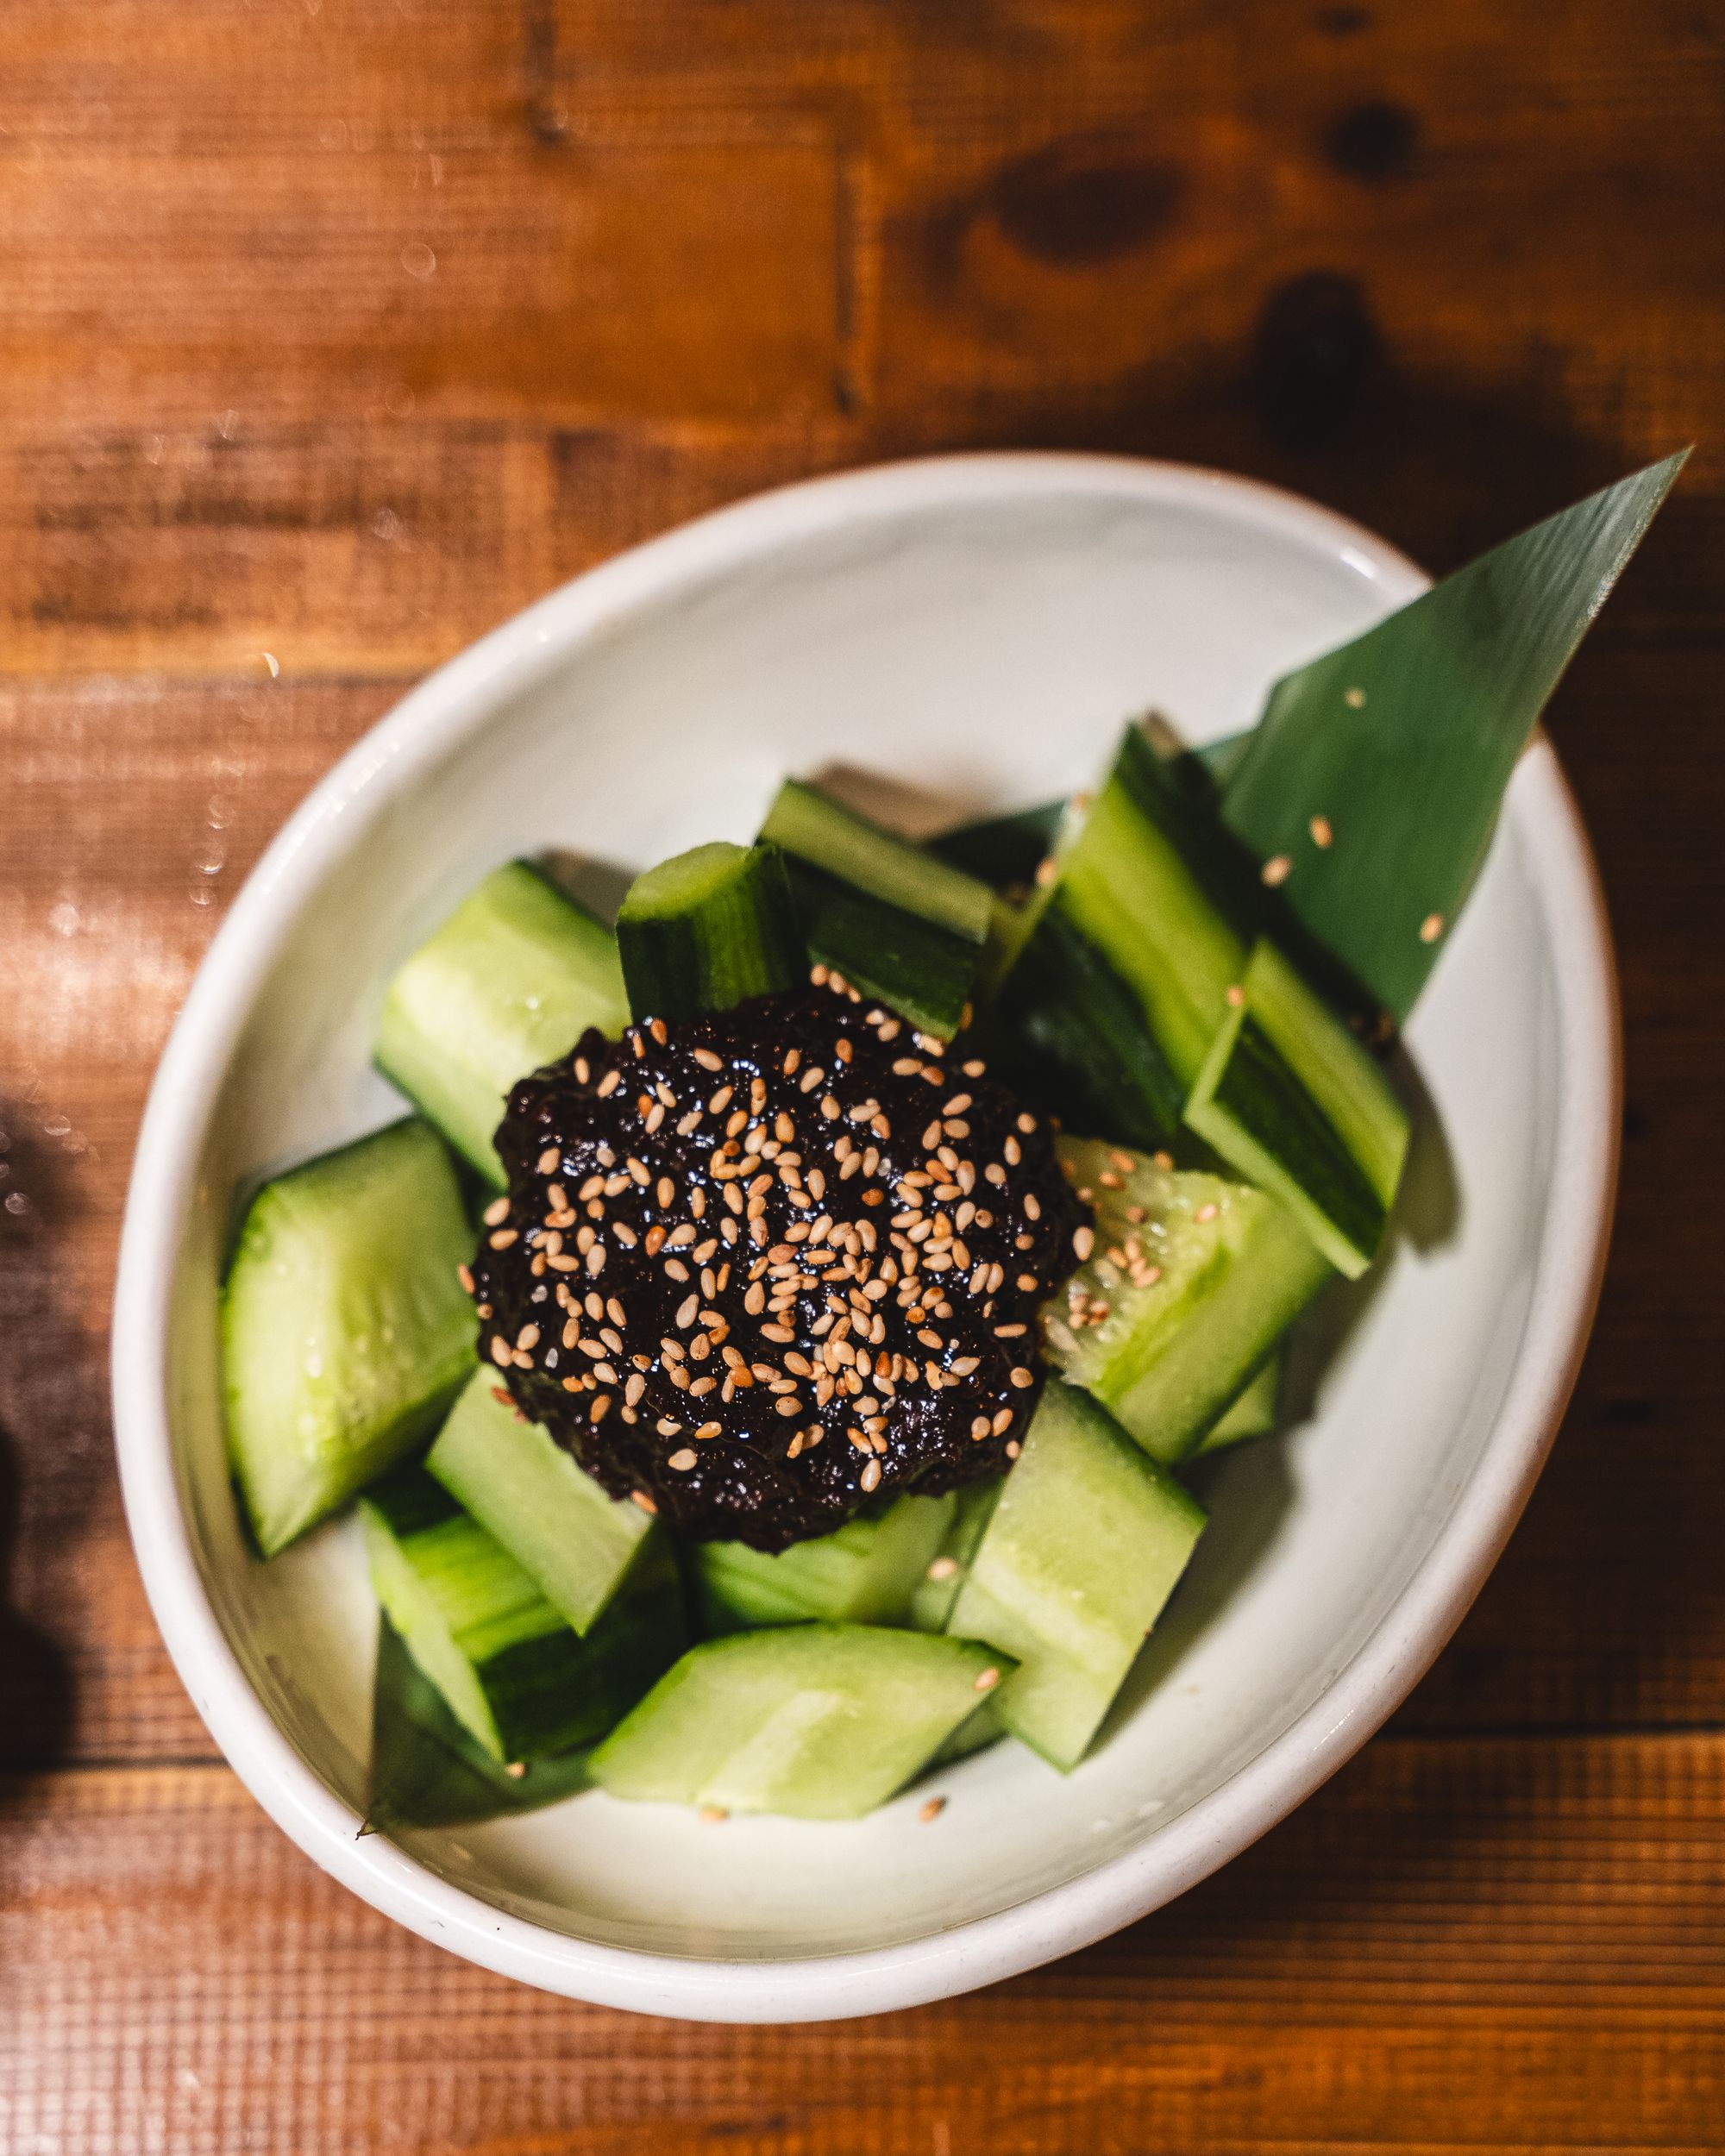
pixel 38 1334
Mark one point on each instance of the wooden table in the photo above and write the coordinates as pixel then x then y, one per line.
pixel 331 331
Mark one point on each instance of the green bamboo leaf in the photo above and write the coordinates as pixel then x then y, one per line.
pixel 1378 770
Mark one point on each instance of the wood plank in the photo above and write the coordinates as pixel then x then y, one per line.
pixel 380 546
pixel 1503 1945
pixel 647 278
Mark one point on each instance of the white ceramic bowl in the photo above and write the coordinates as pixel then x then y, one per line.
pixel 978 627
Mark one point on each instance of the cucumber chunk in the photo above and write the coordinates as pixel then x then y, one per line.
pixel 708 929
pixel 514 1674
pixel 345 1331
pixel 816 1721
pixel 1070 1036
pixel 887 915
pixel 1252 1415
pixel 1148 879
pixel 510 982
pixel 1221 1272
pixel 818 830
pixel 944 1574
pixel 427 1771
pixel 865 1573
pixel 575 1543
pixel 1290 1097
pixel 1084 1548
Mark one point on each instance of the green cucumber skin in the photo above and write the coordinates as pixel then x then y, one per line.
pixel 427 1770
pixel 554 1520
pixel 708 930
pixel 1067 1033
pixel 931 1605
pixel 865 1573
pixel 509 982
pixel 1176 1353
pixel 1004 852
pixel 1253 1414
pixel 1139 882
pixel 852 851
pixel 924 972
pixel 1344 1082
pixel 345 1331
pixel 1254 1111
pixel 810 1721
pixel 516 1676
pixel 1088 1542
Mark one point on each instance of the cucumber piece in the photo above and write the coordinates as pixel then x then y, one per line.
pixel 575 1543
pixel 1290 1097
pixel 924 972
pixel 510 982
pixel 937 1589
pixel 865 1573
pixel 1222 1272
pixel 345 1331
pixel 1150 879
pixel 826 835
pixel 427 1771
pixel 708 929
pixel 816 1721
pixel 1004 851
pixel 517 1678
pixel 1252 1415
pixel 1084 1548
pixel 887 916
pixel 1069 1035
pixel 981 1728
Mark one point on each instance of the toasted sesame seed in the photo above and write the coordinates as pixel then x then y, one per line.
pixel 496 1211
pixel 1431 928
pixel 608 1084
pixel 640 1497
pixel 682 1460
pixel 712 1814
pixel 1003 1422
pixel 502 1239
pixel 1236 997
pixel 465 1275
pixel 1083 1242
pixel 1032 1205
pixel 1206 1212
pixel 707 1060
pixel 1322 833
pixel 1022 1378
pixel 988 1679
pixel 1276 871
pixel 870 1477
pixel 930 1811
pixel 1354 698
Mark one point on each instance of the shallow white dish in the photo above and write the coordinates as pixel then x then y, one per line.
pixel 977 628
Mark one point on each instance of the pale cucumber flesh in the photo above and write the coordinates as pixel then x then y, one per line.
pixel 345 1330
pixel 815 1721
pixel 508 983
pixel 554 1520
pixel 865 1573
pixel 1085 1546
pixel 1213 1274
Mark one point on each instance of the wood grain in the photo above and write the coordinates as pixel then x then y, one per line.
pixel 1458 1945
pixel 331 332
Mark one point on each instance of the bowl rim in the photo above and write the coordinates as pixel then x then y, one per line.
pixel 439 710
